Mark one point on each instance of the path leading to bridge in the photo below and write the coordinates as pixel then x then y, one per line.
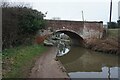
pixel 47 66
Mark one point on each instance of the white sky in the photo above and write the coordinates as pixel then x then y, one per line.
pixel 94 10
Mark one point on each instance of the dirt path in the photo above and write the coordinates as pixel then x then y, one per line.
pixel 47 67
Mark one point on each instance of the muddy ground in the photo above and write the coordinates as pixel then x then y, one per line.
pixel 47 66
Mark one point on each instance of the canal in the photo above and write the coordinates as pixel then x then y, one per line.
pixel 84 63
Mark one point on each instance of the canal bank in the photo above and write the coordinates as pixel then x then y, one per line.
pixel 47 66
pixel 17 61
pixel 107 45
pixel 77 63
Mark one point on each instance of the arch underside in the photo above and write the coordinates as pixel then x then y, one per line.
pixel 77 40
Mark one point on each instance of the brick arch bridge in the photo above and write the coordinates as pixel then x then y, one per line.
pixel 87 29
pixel 76 30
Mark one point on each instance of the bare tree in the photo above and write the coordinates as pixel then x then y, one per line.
pixel 56 18
pixel 4 3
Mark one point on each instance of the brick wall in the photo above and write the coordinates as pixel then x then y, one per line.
pixel 63 24
pixel 86 30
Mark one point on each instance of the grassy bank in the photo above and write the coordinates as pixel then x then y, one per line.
pixel 113 33
pixel 18 61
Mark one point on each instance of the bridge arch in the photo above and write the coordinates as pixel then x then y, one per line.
pixel 76 39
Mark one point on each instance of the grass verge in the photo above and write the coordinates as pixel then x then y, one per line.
pixel 18 61
pixel 113 33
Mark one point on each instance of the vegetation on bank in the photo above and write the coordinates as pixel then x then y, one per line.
pixel 20 24
pixel 109 44
pixel 17 62
pixel 113 25
pixel 113 33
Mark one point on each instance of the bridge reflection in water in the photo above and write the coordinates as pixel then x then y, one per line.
pixel 83 63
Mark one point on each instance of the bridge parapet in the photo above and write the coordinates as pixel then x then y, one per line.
pixel 87 30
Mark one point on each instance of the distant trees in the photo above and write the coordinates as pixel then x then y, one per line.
pixel 118 22
pixel 56 18
pixel 113 25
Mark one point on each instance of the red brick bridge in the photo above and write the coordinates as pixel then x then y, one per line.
pixel 78 31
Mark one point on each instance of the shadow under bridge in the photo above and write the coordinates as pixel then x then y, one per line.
pixel 76 39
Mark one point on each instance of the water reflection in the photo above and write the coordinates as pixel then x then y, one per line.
pixel 63 43
pixel 83 63
pixel 103 74
pixel 63 48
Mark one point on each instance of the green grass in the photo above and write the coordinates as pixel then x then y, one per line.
pixel 113 33
pixel 18 61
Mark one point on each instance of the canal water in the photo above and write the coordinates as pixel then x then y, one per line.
pixel 83 63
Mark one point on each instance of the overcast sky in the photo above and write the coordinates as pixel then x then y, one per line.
pixel 94 10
